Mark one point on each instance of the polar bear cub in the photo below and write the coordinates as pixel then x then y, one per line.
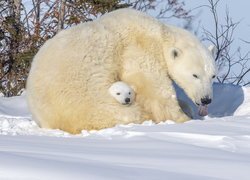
pixel 122 92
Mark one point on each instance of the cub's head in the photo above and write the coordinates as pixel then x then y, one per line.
pixel 122 92
pixel 191 66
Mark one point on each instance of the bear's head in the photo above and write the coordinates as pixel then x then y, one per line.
pixel 191 65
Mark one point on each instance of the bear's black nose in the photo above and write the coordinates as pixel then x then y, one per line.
pixel 127 100
pixel 206 100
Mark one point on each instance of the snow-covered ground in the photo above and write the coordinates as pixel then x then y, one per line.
pixel 217 147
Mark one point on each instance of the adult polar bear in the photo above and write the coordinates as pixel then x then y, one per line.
pixel 67 87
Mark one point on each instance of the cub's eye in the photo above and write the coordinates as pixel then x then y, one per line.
pixel 118 93
pixel 194 75
pixel 213 76
pixel 129 93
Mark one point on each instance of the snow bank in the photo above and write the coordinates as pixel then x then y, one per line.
pixel 14 107
pixel 217 147
pixel 226 101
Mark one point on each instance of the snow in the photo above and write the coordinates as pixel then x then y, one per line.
pixel 214 147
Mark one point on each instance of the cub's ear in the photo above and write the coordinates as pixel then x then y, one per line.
pixel 213 50
pixel 175 53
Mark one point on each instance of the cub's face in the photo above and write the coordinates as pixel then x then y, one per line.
pixel 122 92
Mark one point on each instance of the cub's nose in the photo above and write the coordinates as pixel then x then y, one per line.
pixel 127 100
pixel 206 100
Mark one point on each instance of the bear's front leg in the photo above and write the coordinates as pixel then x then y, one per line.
pixel 171 109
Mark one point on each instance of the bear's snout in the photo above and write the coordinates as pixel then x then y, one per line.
pixel 205 101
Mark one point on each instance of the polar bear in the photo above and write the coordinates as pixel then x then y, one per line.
pixel 122 92
pixel 69 77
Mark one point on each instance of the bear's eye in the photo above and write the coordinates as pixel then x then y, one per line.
pixel 194 75
pixel 175 54
pixel 213 76
pixel 129 93
pixel 118 94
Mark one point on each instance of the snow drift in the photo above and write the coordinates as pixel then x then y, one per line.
pixel 214 147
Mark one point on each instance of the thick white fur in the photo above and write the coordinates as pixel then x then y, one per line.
pixel 68 81
pixel 121 91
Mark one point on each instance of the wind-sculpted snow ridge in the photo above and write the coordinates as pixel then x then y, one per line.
pixel 229 133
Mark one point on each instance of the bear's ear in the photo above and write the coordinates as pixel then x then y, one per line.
pixel 175 53
pixel 213 50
